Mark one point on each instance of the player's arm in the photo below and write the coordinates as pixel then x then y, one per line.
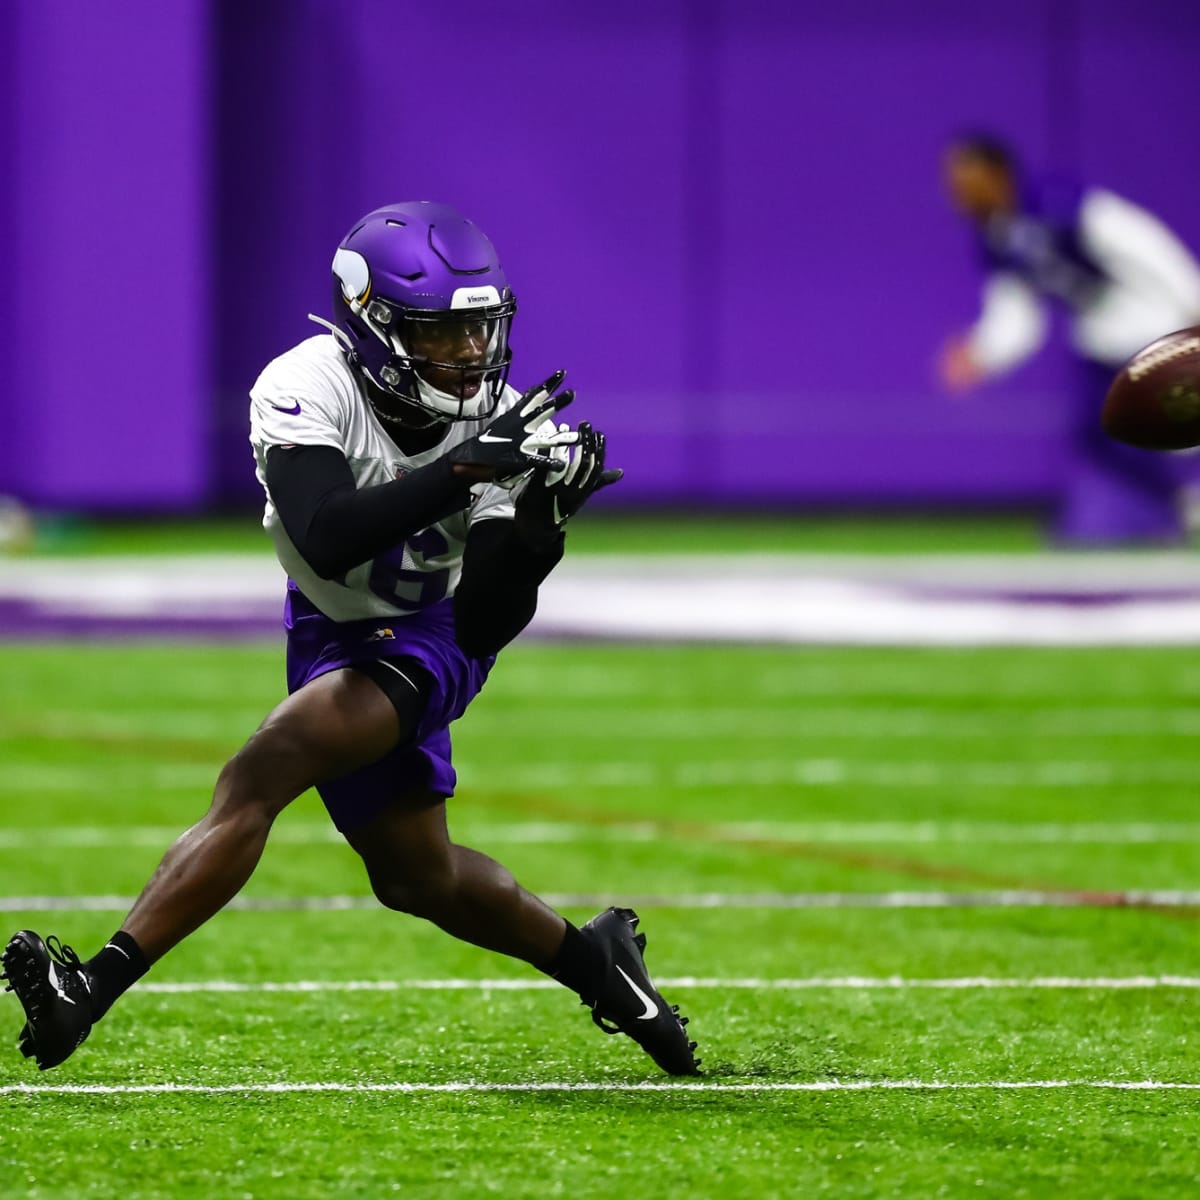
pixel 496 596
pixel 337 525
pixel 1011 326
pixel 1136 247
pixel 505 561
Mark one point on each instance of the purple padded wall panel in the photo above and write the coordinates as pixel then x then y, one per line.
pixel 723 218
pixel 842 270
pixel 1136 121
pixel 110 254
pixel 558 130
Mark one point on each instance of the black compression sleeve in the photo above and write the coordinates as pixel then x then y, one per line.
pixel 336 525
pixel 497 594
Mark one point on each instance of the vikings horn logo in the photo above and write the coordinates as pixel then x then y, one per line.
pixel 355 276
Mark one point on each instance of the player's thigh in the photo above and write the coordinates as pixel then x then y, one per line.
pixel 407 843
pixel 334 724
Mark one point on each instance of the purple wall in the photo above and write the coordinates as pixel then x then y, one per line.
pixel 107 220
pixel 724 219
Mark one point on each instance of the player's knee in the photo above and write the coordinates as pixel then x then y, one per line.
pixel 424 891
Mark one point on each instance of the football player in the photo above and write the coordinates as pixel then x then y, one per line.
pixel 1124 279
pixel 416 501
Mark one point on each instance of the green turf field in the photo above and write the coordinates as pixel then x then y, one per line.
pixel 678 775
pixel 611 532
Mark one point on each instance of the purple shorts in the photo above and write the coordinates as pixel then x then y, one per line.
pixel 317 645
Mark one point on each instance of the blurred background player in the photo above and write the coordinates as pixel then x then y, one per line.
pixel 1124 278
pixel 416 502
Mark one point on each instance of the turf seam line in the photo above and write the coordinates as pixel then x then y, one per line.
pixel 1010 898
pixel 813 983
pixel 547 832
pixel 472 1086
pixel 700 775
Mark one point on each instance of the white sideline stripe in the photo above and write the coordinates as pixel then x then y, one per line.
pixel 815 983
pixel 842 600
pixel 564 832
pixel 1015 898
pixel 471 1086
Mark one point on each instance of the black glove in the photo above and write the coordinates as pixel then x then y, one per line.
pixel 514 443
pixel 550 499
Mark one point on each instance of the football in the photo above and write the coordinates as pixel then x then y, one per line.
pixel 1154 401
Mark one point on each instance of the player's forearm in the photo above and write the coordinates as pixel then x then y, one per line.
pixel 496 597
pixel 1011 326
pixel 336 525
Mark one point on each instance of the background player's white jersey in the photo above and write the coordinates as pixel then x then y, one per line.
pixel 309 397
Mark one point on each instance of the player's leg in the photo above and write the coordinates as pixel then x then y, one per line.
pixel 335 724
pixel 415 868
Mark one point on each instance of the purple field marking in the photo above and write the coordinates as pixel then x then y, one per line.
pixel 781 599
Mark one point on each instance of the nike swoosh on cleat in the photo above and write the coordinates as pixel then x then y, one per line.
pixel 290 411
pixel 52 975
pixel 651 1008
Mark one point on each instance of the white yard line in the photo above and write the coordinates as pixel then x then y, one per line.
pixel 814 983
pixel 1013 898
pixel 1037 833
pixel 472 1086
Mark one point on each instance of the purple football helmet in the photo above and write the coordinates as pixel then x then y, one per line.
pixel 423 309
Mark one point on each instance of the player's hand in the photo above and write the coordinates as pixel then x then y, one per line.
pixel 520 440
pixel 957 367
pixel 551 498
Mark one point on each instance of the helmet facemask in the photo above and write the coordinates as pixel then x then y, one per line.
pixel 452 363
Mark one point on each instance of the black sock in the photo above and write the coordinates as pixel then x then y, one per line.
pixel 114 970
pixel 578 965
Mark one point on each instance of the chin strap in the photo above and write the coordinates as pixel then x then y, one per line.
pixel 426 389
pixel 348 347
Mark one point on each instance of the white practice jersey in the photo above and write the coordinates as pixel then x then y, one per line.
pixel 1151 286
pixel 309 397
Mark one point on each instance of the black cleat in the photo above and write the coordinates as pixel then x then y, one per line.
pixel 629 1003
pixel 53 990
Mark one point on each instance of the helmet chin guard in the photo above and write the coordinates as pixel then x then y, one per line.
pixel 423 309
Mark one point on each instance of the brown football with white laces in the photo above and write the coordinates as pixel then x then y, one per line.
pixel 1154 401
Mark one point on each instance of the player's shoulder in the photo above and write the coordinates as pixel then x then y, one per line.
pixel 1101 204
pixel 314 369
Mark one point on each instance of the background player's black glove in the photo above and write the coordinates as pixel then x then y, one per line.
pixel 520 440
pixel 551 498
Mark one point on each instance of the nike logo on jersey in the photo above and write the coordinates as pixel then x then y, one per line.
pixel 487 437
pixel 651 1008
pixel 52 975
pixel 290 411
